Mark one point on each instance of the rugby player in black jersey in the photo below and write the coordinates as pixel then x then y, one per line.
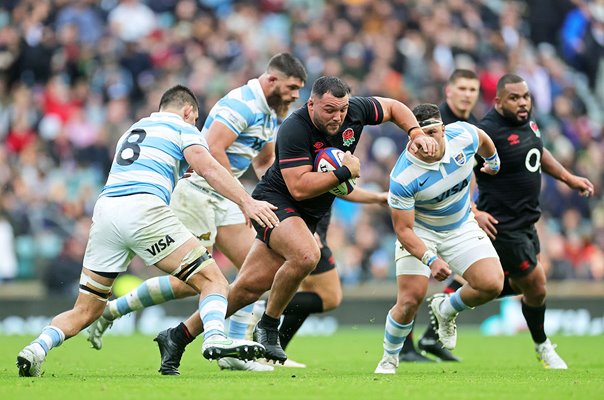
pixel 461 96
pixel 282 257
pixel 508 204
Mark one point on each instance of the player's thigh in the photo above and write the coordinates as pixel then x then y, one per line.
pixel 533 282
pixel 108 250
pixel 327 285
pixel 293 240
pixel 485 274
pixel 258 270
pixel 198 210
pixel 461 248
pixel 234 238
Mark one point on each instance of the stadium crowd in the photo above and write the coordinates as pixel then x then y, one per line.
pixel 76 73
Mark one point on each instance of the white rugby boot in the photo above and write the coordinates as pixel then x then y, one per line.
pixel 29 362
pixel 96 331
pixel 217 346
pixel 447 330
pixel 235 364
pixel 387 365
pixel 547 355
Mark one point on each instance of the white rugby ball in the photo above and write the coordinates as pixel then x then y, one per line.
pixel 330 159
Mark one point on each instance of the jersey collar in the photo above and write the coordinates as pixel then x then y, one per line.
pixel 164 114
pixel 254 84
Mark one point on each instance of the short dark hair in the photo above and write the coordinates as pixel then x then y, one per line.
pixel 178 96
pixel 426 111
pixel 288 65
pixel 335 86
pixel 506 79
pixel 462 73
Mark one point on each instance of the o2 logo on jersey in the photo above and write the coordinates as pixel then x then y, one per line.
pixel 460 159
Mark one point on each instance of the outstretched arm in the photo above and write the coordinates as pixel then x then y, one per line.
pixel 488 151
pixel 402 116
pixel 202 162
pixel 360 195
pixel 552 167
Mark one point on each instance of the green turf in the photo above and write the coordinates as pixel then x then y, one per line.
pixel 339 367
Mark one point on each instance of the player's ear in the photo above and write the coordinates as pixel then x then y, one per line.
pixel 187 110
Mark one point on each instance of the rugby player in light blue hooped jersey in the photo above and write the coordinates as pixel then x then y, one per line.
pixel 132 217
pixel 437 232
pixel 240 130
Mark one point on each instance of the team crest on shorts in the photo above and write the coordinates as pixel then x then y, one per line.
pixel 348 137
pixel 535 128
pixel 460 159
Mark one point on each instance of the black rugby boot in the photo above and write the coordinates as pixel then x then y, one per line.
pixel 171 352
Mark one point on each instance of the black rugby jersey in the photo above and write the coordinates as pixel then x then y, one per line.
pixel 449 117
pixel 299 140
pixel 512 196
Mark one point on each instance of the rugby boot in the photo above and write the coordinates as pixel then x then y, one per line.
pixel 96 331
pixel 170 351
pixel 218 346
pixel 447 330
pixel 235 364
pixel 413 356
pixel 269 338
pixel 29 363
pixel 387 365
pixel 547 355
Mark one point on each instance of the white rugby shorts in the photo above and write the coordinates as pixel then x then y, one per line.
pixel 460 248
pixel 203 211
pixel 140 224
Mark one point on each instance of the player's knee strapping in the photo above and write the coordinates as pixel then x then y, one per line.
pixel 91 287
pixel 192 263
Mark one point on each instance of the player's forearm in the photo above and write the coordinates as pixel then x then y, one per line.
pixel 552 167
pixel 359 195
pixel 222 181
pixel 312 184
pixel 222 158
pixel 411 242
pixel 261 166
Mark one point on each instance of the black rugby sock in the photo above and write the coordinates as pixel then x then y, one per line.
pixel 181 335
pixel 299 308
pixel 535 318
pixel 290 326
pixel 267 321
pixel 452 287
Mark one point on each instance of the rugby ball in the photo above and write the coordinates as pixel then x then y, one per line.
pixel 330 159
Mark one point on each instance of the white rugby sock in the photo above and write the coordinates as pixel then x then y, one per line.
pixel 395 334
pixel 50 337
pixel 212 310
pixel 238 322
pixel 453 305
pixel 151 292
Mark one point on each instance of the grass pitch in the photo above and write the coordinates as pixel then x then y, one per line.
pixel 339 367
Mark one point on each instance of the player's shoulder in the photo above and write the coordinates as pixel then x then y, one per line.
pixel 461 129
pixel 490 119
pixel 404 170
pixel 160 121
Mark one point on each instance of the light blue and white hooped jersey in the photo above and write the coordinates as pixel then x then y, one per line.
pixel 149 157
pixel 439 192
pixel 244 111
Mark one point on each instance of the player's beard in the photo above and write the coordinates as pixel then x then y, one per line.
pixel 513 117
pixel 276 103
pixel 322 127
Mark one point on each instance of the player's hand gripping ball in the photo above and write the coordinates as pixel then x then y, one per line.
pixel 330 159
